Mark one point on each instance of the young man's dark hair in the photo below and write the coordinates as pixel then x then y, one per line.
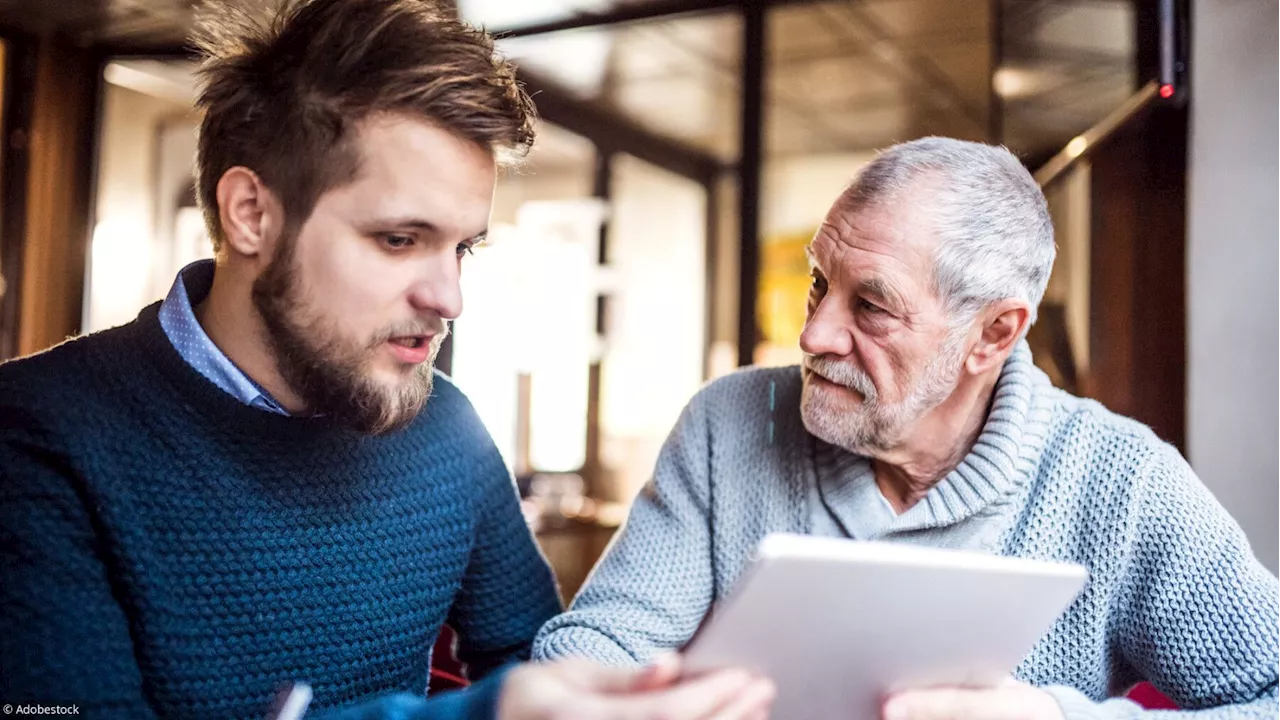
pixel 283 96
pixel 240 489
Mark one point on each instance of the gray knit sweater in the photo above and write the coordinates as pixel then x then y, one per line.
pixel 1175 597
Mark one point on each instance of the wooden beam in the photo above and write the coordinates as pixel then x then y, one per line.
pixel 612 131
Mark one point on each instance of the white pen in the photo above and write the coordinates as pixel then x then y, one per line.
pixel 294 705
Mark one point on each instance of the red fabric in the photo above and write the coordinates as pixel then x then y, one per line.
pixel 1150 698
pixel 446 671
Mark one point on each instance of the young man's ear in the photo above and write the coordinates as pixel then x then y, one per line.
pixel 1004 323
pixel 250 214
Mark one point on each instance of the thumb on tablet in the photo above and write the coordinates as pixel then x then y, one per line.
pixel 662 671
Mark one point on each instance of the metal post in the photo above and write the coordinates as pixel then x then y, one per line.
pixel 753 60
pixel 592 471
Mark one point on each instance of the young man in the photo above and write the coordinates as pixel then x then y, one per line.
pixel 260 481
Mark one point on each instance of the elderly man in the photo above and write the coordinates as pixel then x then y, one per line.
pixel 918 417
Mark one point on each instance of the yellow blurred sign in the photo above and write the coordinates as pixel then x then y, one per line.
pixel 784 287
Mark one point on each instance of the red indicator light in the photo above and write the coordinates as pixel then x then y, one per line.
pixel 1166 91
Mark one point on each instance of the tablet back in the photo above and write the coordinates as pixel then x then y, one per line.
pixel 839 623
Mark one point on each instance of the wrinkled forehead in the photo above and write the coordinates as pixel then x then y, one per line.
pixel 902 228
pixel 922 188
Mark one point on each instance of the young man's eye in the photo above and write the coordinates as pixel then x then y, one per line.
pixel 466 248
pixel 397 242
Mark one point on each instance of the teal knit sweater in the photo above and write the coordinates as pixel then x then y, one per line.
pixel 168 551
pixel 1176 596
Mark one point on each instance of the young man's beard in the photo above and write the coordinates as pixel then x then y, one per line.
pixel 330 374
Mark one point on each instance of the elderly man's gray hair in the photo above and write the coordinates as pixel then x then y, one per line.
pixel 995 235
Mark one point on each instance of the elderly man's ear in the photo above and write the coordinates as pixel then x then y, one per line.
pixel 1003 324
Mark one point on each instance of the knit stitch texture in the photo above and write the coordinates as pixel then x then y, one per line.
pixel 168 551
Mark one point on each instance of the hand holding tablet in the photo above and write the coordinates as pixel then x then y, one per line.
pixel 839 625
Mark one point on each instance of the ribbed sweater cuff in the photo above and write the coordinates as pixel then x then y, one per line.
pixel 477 702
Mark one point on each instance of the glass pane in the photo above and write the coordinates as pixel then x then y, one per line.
pixel 656 325
pixel 679 77
pixel 796 193
pixel 851 77
pixel 496 15
pixel 147 225
pixel 1065 65
pixel 682 78
pixel 1060 338
pixel 511 290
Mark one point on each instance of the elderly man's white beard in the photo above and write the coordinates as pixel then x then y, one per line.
pixel 874 425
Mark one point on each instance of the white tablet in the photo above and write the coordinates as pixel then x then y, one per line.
pixel 838 624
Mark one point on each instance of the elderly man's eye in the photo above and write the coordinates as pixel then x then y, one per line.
pixel 870 307
pixel 819 285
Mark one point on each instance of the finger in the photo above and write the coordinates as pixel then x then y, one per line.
pixel 689 700
pixel 950 704
pixel 661 672
pixel 752 703
pixel 701 696
pixel 759 714
pixel 604 679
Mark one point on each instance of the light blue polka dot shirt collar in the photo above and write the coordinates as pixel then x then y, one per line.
pixel 178 319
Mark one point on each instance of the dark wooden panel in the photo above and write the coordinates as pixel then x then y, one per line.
pixel 1160 312
pixel 1138 298
pixel 15 132
pixel 86 23
pixel 1138 275
pixel 58 196
pixel 1115 177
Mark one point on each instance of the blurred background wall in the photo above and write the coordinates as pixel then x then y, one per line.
pixel 1233 249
